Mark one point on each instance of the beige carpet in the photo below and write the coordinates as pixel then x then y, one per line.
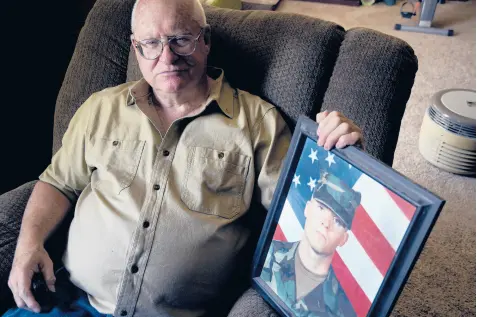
pixel 443 280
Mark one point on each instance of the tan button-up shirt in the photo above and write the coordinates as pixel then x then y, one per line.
pixel 156 223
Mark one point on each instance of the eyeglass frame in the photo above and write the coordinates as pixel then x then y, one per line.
pixel 137 43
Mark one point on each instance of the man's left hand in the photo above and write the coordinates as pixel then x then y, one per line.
pixel 335 129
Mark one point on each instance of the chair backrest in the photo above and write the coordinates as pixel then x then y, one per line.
pixel 300 64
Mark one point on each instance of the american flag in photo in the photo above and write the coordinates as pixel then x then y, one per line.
pixel 378 227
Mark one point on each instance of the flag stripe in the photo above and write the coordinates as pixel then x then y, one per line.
pixel 382 209
pixel 278 235
pixel 407 208
pixel 288 221
pixel 298 202
pixel 355 294
pixel 372 240
pixel 360 265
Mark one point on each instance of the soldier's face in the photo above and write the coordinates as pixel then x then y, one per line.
pixel 322 229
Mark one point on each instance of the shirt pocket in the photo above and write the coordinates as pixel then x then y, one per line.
pixel 117 162
pixel 214 181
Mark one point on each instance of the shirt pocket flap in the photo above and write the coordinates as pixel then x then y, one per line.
pixel 233 162
pixel 214 181
pixel 116 162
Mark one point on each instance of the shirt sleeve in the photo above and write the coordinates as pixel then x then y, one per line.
pixel 68 171
pixel 272 138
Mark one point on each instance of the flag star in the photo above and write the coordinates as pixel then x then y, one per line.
pixel 349 165
pixel 313 156
pixel 312 184
pixel 296 180
pixel 330 159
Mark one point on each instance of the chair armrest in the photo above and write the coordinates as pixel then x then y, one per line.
pixel 251 304
pixel 12 206
pixel 371 84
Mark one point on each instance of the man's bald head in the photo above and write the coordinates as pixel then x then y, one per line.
pixel 187 9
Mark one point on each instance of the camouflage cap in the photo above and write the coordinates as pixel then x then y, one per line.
pixel 338 197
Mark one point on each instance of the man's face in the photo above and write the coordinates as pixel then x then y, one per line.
pixel 323 229
pixel 169 73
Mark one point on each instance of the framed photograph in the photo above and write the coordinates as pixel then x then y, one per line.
pixel 342 234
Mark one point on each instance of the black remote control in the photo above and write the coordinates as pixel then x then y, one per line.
pixel 42 294
pixel 64 295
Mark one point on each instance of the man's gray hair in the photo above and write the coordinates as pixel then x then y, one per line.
pixel 198 14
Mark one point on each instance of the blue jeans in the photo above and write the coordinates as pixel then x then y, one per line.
pixel 79 308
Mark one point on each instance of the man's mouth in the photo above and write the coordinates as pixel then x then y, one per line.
pixel 175 71
pixel 321 235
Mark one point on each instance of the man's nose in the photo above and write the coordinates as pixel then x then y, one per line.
pixel 325 223
pixel 168 57
pixel 326 220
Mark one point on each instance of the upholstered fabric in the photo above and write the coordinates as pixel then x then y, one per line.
pixel 251 304
pixel 99 60
pixel 371 83
pixel 12 205
pixel 300 64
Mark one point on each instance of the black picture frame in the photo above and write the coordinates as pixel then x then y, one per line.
pixel 427 209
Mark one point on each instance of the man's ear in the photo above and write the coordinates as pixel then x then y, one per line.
pixel 133 47
pixel 344 239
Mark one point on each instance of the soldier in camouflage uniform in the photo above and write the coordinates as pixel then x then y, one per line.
pixel 300 272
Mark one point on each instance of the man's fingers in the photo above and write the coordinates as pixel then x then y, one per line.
pixel 349 139
pixel 320 116
pixel 46 268
pixel 342 129
pixel 25 294
pixel 326 127
pixel 18 301
pixel 27 297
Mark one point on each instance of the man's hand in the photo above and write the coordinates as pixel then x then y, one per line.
pixel 334 129
pixel 26 262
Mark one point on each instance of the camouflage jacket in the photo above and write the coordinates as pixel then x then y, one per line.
pixel 327 299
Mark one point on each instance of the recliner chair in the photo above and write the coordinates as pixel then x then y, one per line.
pixel 300 64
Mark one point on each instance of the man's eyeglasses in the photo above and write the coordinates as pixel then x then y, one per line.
pixel 182 45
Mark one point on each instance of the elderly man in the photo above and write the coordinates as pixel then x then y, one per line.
pixel 300 272
pixel 161 172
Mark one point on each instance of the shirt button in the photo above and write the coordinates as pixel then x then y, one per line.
pixel 156 187
pixel 165 153
pixel 124 313
pixel 115 143
pixel 221 155
pixel 145 224
pixel 134 269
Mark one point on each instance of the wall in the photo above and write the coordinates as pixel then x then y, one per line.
pixel 38 39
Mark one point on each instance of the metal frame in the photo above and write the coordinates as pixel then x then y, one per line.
pixel 428 9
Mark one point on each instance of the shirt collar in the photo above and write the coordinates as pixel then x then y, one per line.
pixel 138 90
pixel 220 92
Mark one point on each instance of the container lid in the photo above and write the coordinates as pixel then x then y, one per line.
pixel 454 109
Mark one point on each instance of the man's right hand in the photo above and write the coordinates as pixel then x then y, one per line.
pixel 27 261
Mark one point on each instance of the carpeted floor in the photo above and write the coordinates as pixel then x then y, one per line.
pixel 443 280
